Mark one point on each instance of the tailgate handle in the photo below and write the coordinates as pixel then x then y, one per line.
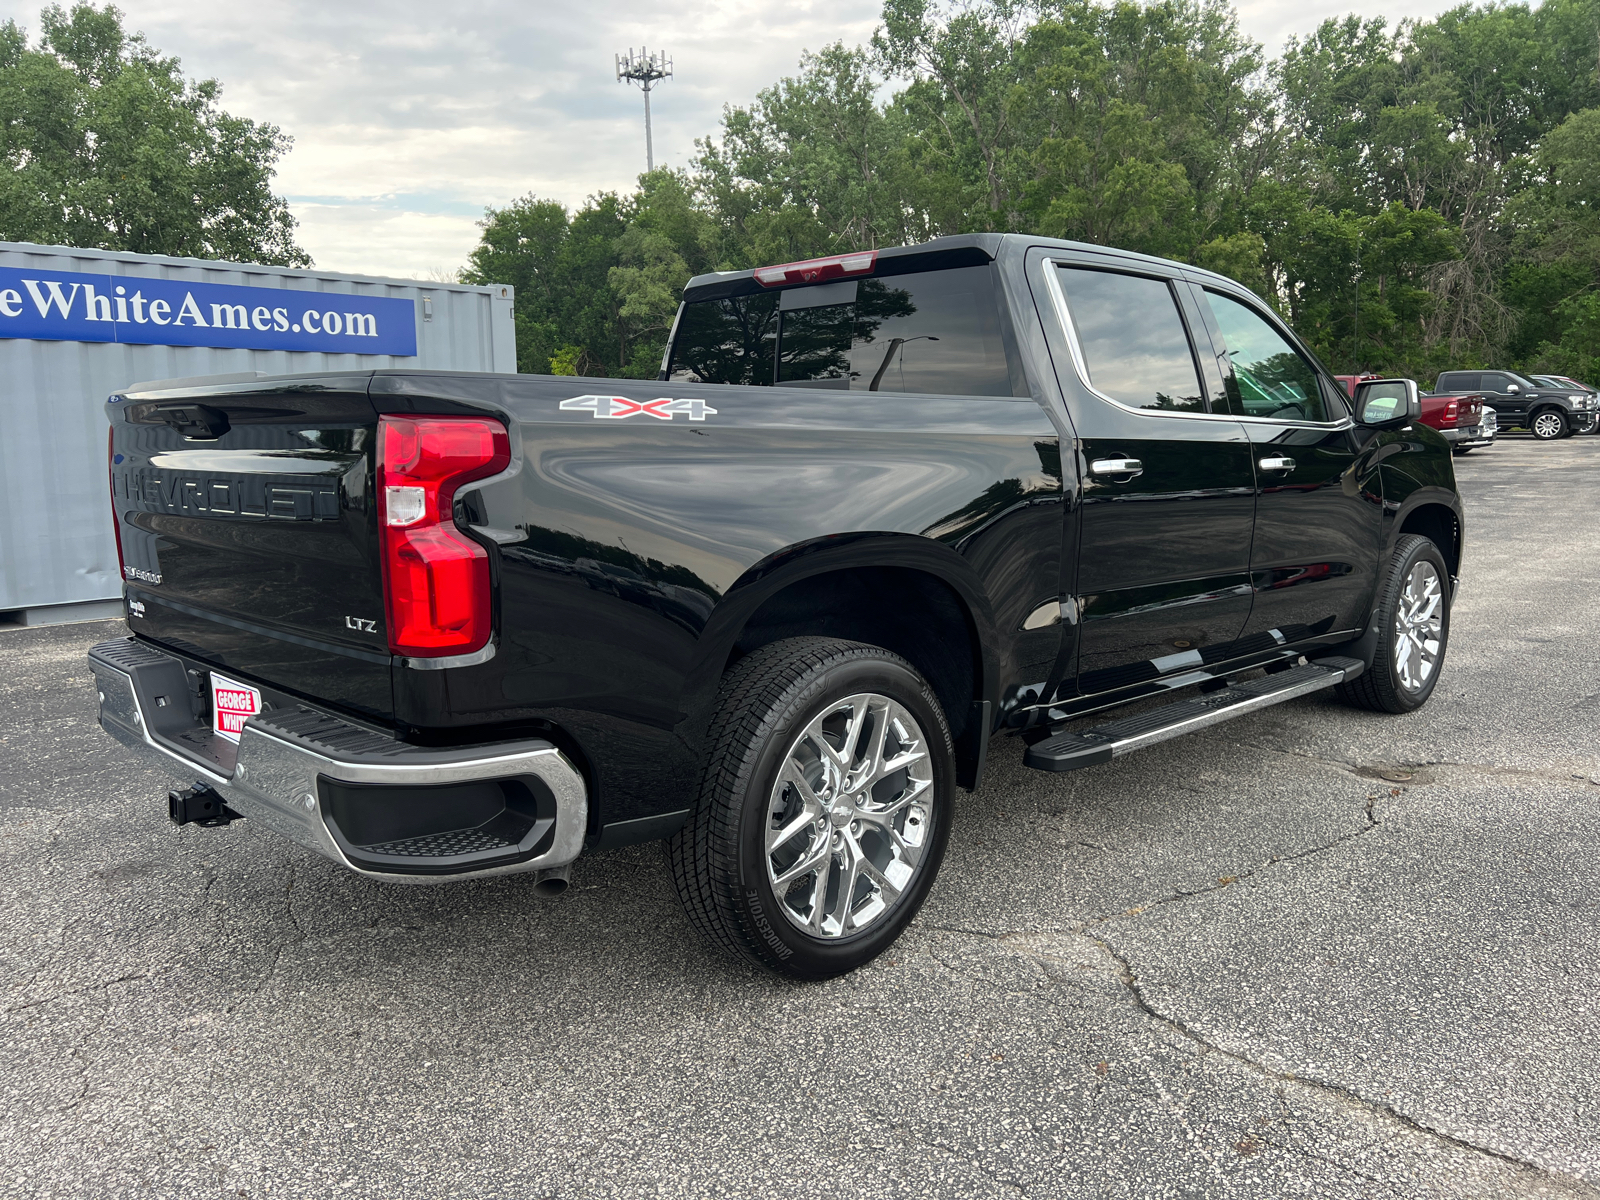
pixel 194 421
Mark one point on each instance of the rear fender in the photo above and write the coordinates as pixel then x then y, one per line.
pixel 840 553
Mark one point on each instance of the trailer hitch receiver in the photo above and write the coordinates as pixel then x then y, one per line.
pixel 199 805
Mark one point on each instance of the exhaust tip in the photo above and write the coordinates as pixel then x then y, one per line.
pixel 553 882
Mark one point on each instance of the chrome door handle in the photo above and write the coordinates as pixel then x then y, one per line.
pixel 1276 464
pixel 1116 466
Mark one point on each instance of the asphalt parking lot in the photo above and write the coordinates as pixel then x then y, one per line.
pixel 1312 952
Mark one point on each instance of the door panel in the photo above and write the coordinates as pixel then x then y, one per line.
pixel 1504 403
pixel 1163 567
pixel 1318 528
pixel 1319 504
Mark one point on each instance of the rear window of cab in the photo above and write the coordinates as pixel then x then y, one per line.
pixel 934 332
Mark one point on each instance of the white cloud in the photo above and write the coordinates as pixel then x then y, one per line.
pixel 1272 22
pixel 413 116
pixel 410 117
pixel 384 239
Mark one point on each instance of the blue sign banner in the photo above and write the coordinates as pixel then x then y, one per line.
pixel 71 306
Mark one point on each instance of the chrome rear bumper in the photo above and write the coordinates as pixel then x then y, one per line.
pixel 286 761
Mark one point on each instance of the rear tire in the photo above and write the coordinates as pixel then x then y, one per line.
pixel 1548 424
pixel 1463 450
pixel 1413 620
pixel 804 854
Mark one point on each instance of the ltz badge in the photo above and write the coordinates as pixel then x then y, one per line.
pixel 614 408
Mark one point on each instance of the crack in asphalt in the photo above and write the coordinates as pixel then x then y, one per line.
pixel 281 944
pixel 1372 819
pixel 1130 980
pixel 1227 881
pixel 77 991
pixel 1079 927
pixel 1558 775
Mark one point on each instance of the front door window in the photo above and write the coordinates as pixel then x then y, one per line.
pixel 1270 378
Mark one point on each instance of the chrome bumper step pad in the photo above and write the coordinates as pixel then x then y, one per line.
pixel 294 767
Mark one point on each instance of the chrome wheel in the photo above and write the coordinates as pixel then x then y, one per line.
pixel 849 816
pixel 1418 626
pixel 1548 425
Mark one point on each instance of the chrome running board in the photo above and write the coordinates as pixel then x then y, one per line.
pixel 1074 749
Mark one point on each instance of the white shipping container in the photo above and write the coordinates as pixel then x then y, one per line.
pixel 56 543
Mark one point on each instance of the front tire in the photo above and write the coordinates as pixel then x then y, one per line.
pixel 824 807
pixel 1413 620
pixel 1548 425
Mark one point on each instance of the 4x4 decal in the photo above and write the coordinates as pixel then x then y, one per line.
pixel 614 408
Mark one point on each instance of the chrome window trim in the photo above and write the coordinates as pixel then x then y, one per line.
pixel 1058 299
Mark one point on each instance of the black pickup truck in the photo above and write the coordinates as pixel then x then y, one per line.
pixel 773 606
pixel 1548 412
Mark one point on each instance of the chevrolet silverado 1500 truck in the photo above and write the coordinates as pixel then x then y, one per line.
pixel 772 606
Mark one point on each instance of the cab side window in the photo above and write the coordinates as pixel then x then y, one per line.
pixel 1270 378
pixel 1132 338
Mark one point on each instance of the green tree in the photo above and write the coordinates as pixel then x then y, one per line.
pixel 1410 196
pixel 803 171
pixel 1554 284
pixel 105 144
pixel 597 289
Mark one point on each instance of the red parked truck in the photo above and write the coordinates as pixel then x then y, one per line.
pixel 1462 417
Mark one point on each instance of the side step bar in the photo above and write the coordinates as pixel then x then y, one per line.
pixel 1072 750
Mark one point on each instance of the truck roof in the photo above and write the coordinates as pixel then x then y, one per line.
pixel 959 250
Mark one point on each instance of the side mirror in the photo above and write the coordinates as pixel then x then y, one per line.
pixel 1387 403
pixel 1512 389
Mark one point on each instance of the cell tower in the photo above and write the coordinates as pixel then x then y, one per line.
pixel 645 69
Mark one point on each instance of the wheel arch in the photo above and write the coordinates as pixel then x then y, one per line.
pixel 1436 517
pixel 910 594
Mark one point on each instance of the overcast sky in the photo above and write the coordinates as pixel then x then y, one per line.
pixel 410 117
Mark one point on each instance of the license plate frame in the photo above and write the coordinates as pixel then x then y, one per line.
pixel 232 704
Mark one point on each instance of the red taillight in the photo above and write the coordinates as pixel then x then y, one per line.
pixel 1452 411
pixel 816 270
pixel 111 480
pixel 435 578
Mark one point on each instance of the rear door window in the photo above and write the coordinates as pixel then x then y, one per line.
pixel 1132 338
pixel 1459 381
pixel 935 332
pixel 1270 377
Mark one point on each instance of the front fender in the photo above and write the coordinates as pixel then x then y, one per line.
pixel 1417 470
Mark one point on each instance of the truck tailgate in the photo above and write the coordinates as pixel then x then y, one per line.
pixel 247 524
